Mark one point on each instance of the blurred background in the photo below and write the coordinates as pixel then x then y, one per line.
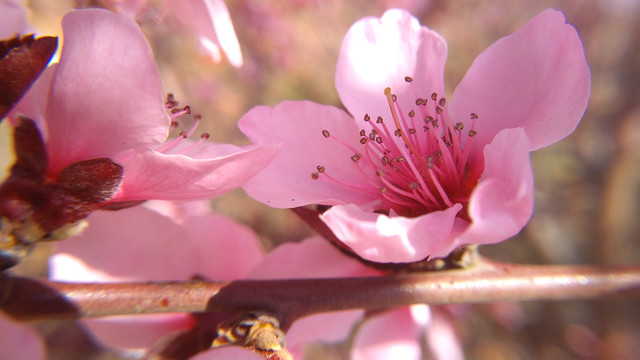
pixel 587 186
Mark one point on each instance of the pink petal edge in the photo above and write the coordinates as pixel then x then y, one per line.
pixel 381 238
pixel 537 78
pixel 380 52
pixel 298 126
pixel 502 202
pixel 392 334
pixel 108 75
pixel 152 175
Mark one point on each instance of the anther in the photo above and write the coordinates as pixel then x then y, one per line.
pixel 474 116
pixel 438 110
pixel 472 133
pixel 367 117
pixel 414 185
pixel 385 160
pixel 434 96
pixel 183 134
pixel 398 132
pixel 428 119
pixel 408 79
pixel 438 155
pixel 356 157
pixel 430 162
pixel 442 102
pixel 320 168
pixel 394 97
pixel 325 133
pixel 363 133
pixel 459 126
pixel 372 136
pixel 379 140
pixel 187 109
pixel 379 120
pixel 314 176
pixel 412 131
pixel 204 136
pixel 363 140
pixel 379 172
pixel 412 113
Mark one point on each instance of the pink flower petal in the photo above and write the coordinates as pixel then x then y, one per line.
pixel 127 333
pixel 19 340
pixel 311 258
pixel 106 95
pixel 227 250
pixel 382 238
pixel 224 31
pixel 148 246
pixel 390 335
pixel 152 175
pixel 502 202
pixel 330 327
pixel 379 53
pixel 298 126
pixel 442 340
pixel 210 20
pixel 536 78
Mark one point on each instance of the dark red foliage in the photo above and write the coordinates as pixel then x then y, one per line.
pixel 36 206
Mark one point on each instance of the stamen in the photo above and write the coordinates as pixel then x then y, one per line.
pixel 172 143
pixel 203 137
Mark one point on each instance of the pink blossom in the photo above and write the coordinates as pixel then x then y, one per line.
pixel 148 245
pixel 409 173
pixel 209 20
pixel 104 99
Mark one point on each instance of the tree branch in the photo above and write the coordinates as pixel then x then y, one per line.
pixel 29 299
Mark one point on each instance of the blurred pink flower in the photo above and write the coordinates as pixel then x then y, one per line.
pixel 19 341
pixel 390 334
pixel 313 258
pixel 209 20
pixel 104 99
pixel 421 175
pixel 172 242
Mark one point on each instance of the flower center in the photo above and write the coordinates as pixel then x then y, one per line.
pixel 416 160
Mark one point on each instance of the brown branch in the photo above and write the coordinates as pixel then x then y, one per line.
pixel 28 299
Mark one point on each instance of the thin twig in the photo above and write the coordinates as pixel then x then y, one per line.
pixel 29 299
